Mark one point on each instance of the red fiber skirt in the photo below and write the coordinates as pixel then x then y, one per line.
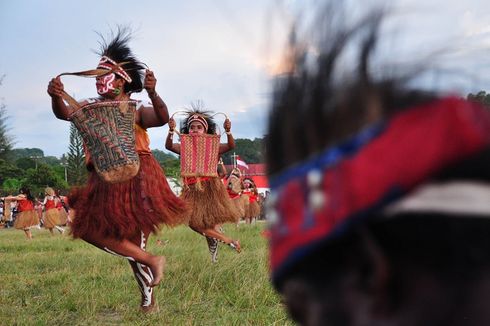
pixel 124 209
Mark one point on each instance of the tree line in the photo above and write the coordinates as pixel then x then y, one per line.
pixel 29 167
pixel 482 97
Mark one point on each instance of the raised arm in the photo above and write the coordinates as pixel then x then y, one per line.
pixel 18 197
pixel 157 114
pixel 55 90
pixel 223 148
pixel 169 142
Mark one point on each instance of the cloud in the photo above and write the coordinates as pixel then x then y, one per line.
pixel 476 25
pixel 221 52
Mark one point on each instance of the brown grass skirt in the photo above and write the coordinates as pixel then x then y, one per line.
pixel 63 216
pixel 51 218
pixel 26 219
pixel 121 210
pixel 253 210
pixel 241 203
pixel 209 205
pixel 6 210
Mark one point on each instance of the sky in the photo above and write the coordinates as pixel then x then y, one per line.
pixel 221 52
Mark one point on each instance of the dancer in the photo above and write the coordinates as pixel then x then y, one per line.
pixel 62 206
pixel 7 212
pixel 221 170
pixel 38 208
pixel 51 212
pixel 26 215
pixel 379 205
pixel 113 215
pixel 253 208
pixel 235 192
pixel 206 196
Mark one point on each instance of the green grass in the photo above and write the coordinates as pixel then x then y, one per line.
pixel 54 280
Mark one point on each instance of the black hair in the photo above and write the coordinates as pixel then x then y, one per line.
pixel 27 192
pixel 198 108
pixel 251 182
pixel 455 250
pixel 118 50
pixel 313 108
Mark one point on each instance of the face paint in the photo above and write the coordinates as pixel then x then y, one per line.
pixel 105 84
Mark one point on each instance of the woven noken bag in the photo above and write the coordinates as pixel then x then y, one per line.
pixel 108 131
pixel 199 155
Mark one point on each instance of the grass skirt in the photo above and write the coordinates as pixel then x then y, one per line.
pixel 209 204
pixel 241 203
pixel 63 216
pixel 253 210
pixel 6 210
pixel 51 218
pixel 121 210
pixel 26 219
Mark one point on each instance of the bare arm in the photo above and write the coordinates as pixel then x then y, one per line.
pixel 19 197
pixel 157 115
pixel 223 148
pixel 169 142
pixel 170 145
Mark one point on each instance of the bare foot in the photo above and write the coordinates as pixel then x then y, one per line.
pixel 149 309
pixel 236 245
pixel 157 270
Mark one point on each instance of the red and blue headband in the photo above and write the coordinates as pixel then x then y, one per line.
pixel 318 199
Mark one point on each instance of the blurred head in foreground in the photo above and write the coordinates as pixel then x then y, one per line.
pixel 380 202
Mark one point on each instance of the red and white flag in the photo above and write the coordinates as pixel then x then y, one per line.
pixel 241 162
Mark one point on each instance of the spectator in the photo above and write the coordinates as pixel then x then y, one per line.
pixel 379 208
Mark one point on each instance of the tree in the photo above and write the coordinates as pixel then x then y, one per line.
pixel 11 186
pixel 32 153
pixel 170 163
pixel 8 171
pixel 251 151
pixel 25 163
pixel 171 168
pixel 43 176
pixel 161 156
pixel 76 170
pixel 51 160
pixel 481 97
pixel 6 141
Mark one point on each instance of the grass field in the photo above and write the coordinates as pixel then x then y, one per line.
pixel 54 280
